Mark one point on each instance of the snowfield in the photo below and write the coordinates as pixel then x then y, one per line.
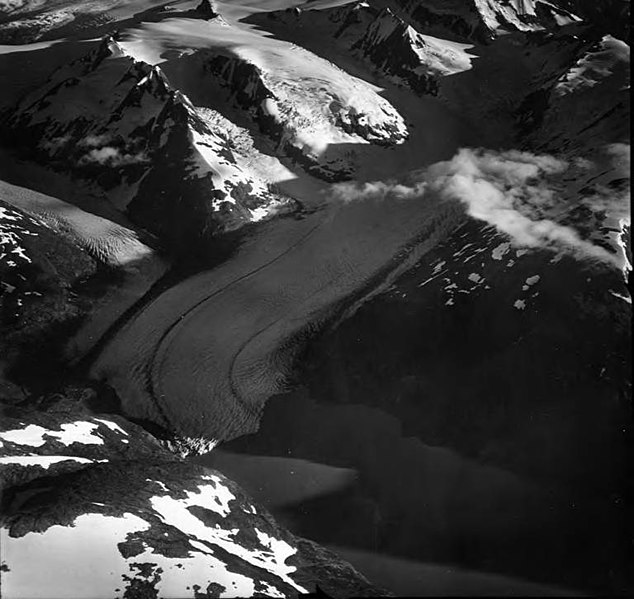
pixel 109 242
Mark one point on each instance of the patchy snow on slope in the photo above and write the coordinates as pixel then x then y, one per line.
pixel 227 174
pixel 99 555
pixel 622 236
pixel 520 14
pixel 34 435
pixel 595 66
pixel 106 241
pixel 483 20
pixel 175 512
pixel 112 426
pixel 11 5
pixel 375 35
pixel 12 231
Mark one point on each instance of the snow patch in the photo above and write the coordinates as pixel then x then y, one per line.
pixel 216 497
pixel 500 251
pixel 69 433
pixel 111 425
pixel 76 562
pixel 530 282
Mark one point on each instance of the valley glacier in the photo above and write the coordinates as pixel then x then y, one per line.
pixel 315 296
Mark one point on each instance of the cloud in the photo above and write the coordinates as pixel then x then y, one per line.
pixel 620 153
pixel 56 143
pixel 93 141
pixel 350 192
pixel 514 191
pixel 112 157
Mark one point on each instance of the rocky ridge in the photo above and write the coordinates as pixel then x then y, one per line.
pixel 117 121
pixel 306 127
pixel 482 20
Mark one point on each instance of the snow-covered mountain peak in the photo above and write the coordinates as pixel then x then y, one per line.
pixel 114 119
pixel 110 47
pixel 313 111
pixel 380 35
pixel 387 23
pixel 481 20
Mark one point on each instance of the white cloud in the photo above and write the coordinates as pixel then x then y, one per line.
pixel 112 157
pixel 510 190
pixel 93 141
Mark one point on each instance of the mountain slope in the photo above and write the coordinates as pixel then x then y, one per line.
pixel 97 497
pixel 28 21
pixel 482 20
pixel 40 273
pixel 409 220
pixel 589 101
pixel 312 110
pixel 118 122
pixel 376 35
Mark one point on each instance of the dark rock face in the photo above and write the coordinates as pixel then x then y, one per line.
pixel 609 16
pixel 376 35
pixel 459 20
pixel 392 38
pixel 41 275
pixel 163 525
pixel 395 48
pixel 588 101
pixel 481 20
pixel 206 10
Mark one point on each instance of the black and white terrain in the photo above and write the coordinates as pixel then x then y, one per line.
pixel 319 297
